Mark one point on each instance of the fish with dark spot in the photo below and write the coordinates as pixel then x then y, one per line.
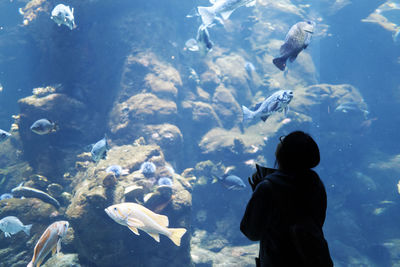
pixel 297 39
pixel 99 150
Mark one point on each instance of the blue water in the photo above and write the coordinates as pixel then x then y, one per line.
pixel 89 64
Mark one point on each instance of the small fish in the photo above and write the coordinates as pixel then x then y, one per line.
pixel 202 44
pixel 44 126
pixel 277 102
pixel 49 241
pixel 231 182
pixel 297 39
pixel 99 150
pixel 194 76
pixel 223 8
pixel 24 191
pixel 135 217
pixel 63 14
pixel 351 107
pixel 117 170
pixel 4 135
pixel 11 225
pixel 6 196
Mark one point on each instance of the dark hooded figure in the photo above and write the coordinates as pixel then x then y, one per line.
pixel 287 209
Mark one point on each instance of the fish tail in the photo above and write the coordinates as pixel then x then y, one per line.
pixel 247 114
pixel 280 63
pixel 207 15
pixel 176 235
pixel 30 264
pixel 215 179
pixel 27 229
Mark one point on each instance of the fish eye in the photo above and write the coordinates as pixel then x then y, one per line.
pixel 115 209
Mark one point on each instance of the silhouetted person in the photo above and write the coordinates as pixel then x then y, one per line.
pixel 287 209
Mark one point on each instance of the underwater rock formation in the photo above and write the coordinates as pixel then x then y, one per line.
pixel 113 244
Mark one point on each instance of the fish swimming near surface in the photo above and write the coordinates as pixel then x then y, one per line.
pixel 44 126
pixel 222 8
pixel 11 225
pixel 62 14
pixel 49 241
pixel 135 217
pixel 99 150
pixel 4 135
pixel 231 182
pixel 203 44
pixel 297 39
pixel 277 102
pixel 29 192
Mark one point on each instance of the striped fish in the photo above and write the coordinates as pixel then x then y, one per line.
pixel 49 241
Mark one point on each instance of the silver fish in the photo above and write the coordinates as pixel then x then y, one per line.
pixel 353 107
pixel 24 191
pixel 44 126
pixel 277 102
pixel 49 241
pixel 63 14
pixel 11 225
pixel 99 150
pixel 4 135
pixel 297 39
pixel 203 44
pixel 223 8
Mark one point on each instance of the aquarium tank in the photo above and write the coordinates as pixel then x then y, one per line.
pixel 129 128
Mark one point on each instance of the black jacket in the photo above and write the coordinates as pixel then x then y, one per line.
pixel 278 202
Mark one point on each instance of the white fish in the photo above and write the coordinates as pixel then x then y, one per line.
pixel 49 241
pixel 63 14
pixel 11 225
pixel 224 8
pixel 277 102
pixel 135 217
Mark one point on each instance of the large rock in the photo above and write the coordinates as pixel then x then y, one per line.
pixel 138 110
pixel 113 244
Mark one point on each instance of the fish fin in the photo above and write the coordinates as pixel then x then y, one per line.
pixel 134 230
pixel 72 11
pixel 253 3
pixel 135 223
pixel 155 236
pixel 30 264
pixel 247 114
pixel 39 262
pixel 225 15
pixel 272 107
pixel 58 247
pixel 212 2
pixel 176 235
pixel 257 106
pixel 286 110
pixel 207 15
pixel 27 229
pixel 161 220
pixel 221 21
pixel 104 155
pixel 53 251
pixel 7 234
pixel 280 63
pixel 264 118
pixel 232 187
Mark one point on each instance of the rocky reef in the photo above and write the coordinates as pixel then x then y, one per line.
pixel 156 102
